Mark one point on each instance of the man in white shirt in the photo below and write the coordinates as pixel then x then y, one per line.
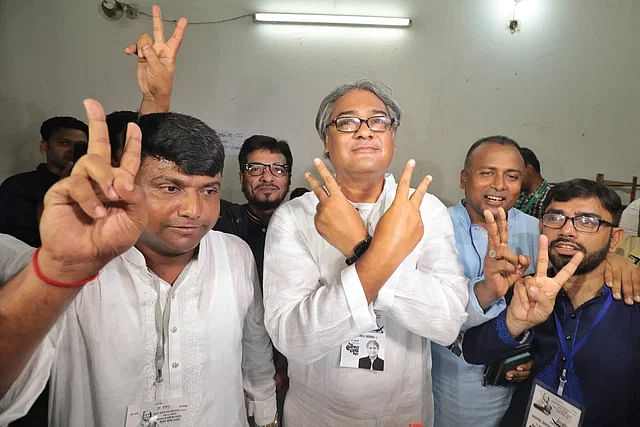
pixel 401 284
pixel 173 324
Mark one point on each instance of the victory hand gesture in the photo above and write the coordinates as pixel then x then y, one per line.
pixel 97 213
pixel 502 267
pixel 157 63
pixel 534 297
pixel 336 219
pixel 400 228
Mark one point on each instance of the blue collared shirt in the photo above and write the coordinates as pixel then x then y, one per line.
pixel 460 399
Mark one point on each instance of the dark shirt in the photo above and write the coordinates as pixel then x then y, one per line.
pixel 606 373
pixel 20 196
pixel 365 363
pixel 239 220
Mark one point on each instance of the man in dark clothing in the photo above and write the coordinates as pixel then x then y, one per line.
pixel 585 345
pixel 265 176
pixel 21 195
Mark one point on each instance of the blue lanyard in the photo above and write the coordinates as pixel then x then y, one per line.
pixel 569 354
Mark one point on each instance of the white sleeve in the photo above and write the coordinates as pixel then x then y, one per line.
pixel 257 361
pixel 309 309
pixel 33 378
pixel 14 256
pixel 428 292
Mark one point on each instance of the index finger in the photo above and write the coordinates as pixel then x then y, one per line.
pixel 329 181
pixel 492 230
pixel 316 186
pixel 158 30
pixel 405 180
pixel 543 257
pixel 176 38
pixel 98 131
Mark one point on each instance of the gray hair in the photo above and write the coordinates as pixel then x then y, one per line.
pixel 378 89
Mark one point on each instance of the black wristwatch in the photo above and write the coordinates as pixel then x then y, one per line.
pixel 359 250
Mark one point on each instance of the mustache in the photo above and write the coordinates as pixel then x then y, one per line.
pixel 564 240
pixel 268 186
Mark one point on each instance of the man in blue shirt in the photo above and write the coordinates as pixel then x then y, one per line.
pixel 491 180
pixel 586 350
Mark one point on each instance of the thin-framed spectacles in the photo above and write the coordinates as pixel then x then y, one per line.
pixel 352 124
pixel 257 169
pixel 583 223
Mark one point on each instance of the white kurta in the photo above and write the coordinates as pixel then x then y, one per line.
pixel 314 303
pixel 101 354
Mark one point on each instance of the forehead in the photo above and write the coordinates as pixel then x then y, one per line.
pixel 265 156
pixel 70 134
pixel 360 103
pixel 497 155
pixel 153 168
pixel 573 207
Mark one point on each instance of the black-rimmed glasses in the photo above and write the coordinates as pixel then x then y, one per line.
pixel 257 169
pixel 352 124
pixel 583 223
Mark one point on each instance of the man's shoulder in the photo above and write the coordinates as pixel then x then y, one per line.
pixel 524 220
pixel 28 182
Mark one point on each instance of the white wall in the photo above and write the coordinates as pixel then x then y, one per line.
pixel 566 85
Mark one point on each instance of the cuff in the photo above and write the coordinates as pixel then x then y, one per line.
pixel 505 335
pixel 361 312
pixel 264 412
pixel 477 315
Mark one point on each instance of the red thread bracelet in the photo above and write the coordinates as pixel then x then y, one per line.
pixel 45 279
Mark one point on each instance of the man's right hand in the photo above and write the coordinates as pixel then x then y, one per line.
pixel 97 213
pixel 157 64
pixel 534 297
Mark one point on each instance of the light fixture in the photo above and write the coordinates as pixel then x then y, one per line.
pixel 514 24
pixel 305 18
pixel 113 10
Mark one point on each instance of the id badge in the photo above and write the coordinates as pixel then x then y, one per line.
pixel 165 414
pixel 546 408
pixel 366 351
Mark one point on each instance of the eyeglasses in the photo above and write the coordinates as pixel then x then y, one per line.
pixel 257 169
pixel 352 124
pixel 583 223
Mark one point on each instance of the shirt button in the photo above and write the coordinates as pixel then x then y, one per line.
pixel 564 359
pixel 174 329
pixel 175 365
pixel 573 315
pixel 568 338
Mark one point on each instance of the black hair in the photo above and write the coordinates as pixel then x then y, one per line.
pixel 184 140
pixel 53 124
pixel 117 124
pixel 263 142
pixel 581 188
pixel 530 158
pixel 496 139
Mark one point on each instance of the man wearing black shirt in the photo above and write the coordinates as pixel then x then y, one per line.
pixel 21 195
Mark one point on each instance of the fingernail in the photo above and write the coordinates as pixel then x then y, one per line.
pixel 429 178
pixel 519 368
pixel 316 161
pixel 637 298
pixel 412 162
pixel 100 211
pixel 617 295
pixel 629 300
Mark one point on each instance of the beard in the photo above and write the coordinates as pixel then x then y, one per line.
pixel 264 204
pixel 590 261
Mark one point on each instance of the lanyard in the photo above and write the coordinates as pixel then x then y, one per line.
pixel 569 354
pixel 536 196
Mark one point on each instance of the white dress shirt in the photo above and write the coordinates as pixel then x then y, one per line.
pixel 101 354
pixel 314 303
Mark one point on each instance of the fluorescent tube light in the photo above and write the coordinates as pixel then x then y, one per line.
pixel 303 18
